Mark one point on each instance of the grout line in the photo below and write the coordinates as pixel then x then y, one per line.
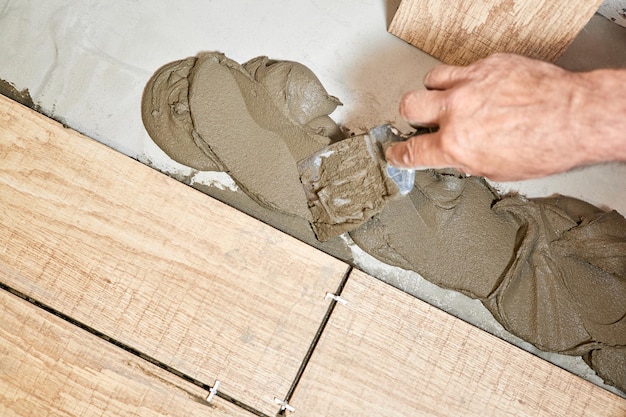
pixel 131 350
pixel 316 338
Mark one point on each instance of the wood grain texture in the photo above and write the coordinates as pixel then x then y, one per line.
pixel 385 353
pixel 155 264
pixel 50 367
pixel 461 32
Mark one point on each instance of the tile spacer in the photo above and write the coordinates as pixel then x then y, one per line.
pixel 284 405
pixel 331 296
pixel 213 391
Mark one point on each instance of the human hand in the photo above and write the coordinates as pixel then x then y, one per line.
pixel 506 117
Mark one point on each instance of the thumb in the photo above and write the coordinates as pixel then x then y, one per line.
pixel 418 152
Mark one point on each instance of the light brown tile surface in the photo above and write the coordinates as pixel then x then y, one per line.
pixel 385 353
pixel 162 268
pixel 460 32
pixel 50 367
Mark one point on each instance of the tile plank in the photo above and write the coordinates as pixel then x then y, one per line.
pixel 155 264
pixel 460 32
pixel 385 353
pixel 51 367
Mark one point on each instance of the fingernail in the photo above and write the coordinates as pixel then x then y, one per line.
pixel 394 155
pixel 389 154
pixel 426 81
pixel 403 104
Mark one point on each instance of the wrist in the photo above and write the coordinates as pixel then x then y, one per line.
pixel 601 116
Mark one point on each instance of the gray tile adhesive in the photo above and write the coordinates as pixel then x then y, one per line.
pixel 551 270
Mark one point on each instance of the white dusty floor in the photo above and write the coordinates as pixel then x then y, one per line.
pixel 85 63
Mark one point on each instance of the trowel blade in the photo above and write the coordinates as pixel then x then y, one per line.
pixel 348 182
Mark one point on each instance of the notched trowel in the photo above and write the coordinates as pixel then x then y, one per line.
pixel 349 181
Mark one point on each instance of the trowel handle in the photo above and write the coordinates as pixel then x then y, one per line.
pixel 385 135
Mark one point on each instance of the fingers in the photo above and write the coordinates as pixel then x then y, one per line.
pixel 443 77
pixel 418 152
pixel 427 108
pixel 423 108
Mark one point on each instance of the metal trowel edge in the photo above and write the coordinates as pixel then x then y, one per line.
pixel 349 181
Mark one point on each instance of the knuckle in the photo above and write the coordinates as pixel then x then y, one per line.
pixel 453 146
